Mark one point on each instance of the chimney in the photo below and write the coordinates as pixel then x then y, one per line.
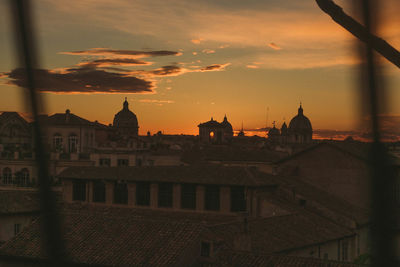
pixel 67 114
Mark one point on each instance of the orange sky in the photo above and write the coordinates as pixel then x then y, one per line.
pixel 182 62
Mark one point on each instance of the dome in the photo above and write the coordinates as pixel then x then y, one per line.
pixel 273 131
pixel 125 118
pixel 226 124
pixel 300 123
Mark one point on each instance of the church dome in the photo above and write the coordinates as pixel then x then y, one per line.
pixel 227 125
pixel 300 123
pixel 125 118
pixel 273 132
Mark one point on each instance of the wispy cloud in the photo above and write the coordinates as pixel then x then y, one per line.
pixel 156 101
pixel 224 46
pixel 214 67
pixel 114 62
pixel 197 41
pixel 208 51
pixel 252 66
pixel 174 70
pixel 274 46
pixel 120 52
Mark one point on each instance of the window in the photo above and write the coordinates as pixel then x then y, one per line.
pixel 57 142
pixel 139 162
pixel 165 194
pixel 7 176
pixel 105 162
pixel 17 228
pixel 72 143
pixel 302 202
pixel 211 197
pixel 120 193
pixel 99 191
pixel 79 191
pixel 24 177
pixel 345 247
pixel 123 162
pixel 205 249
pixel 188 196
pixel 143 194
pixel 238 199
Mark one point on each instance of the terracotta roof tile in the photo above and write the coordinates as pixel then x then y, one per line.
pixel 115 237
pixel 283 233
pixel 243 259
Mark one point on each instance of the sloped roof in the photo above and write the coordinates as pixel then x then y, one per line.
pixel 123 236
pixel 66 118
pixel 5 115
pixel 246 259
pixel 358 150
pixel 283 233
pixel 333 203
pixel 19 201
pixel 198 174
pixel 113 237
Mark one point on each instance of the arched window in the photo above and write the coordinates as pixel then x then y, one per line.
pixel 57 142
pixel 72 143
pixel 7 176
pixel 24 177
pixel 211 136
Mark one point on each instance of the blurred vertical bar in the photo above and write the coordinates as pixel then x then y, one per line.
pixel 382 171
pixel 25 42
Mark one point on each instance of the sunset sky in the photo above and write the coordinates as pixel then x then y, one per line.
pixel 180 63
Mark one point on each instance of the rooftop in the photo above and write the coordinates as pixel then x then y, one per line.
pixel 282 233
pixel 245 259
pixel 198 174
pixel 113 237
pixel 19 201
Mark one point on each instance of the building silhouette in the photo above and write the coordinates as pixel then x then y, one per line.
pixel 299 130
pixel 126 123
pixel 214 132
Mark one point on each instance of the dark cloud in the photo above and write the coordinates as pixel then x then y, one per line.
pixel 334 134
pixel 82 80
pixel 113 62
pixel 167 71
pixel 119 52
pixel 104 72
pixel 174 70
pixel 215 67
